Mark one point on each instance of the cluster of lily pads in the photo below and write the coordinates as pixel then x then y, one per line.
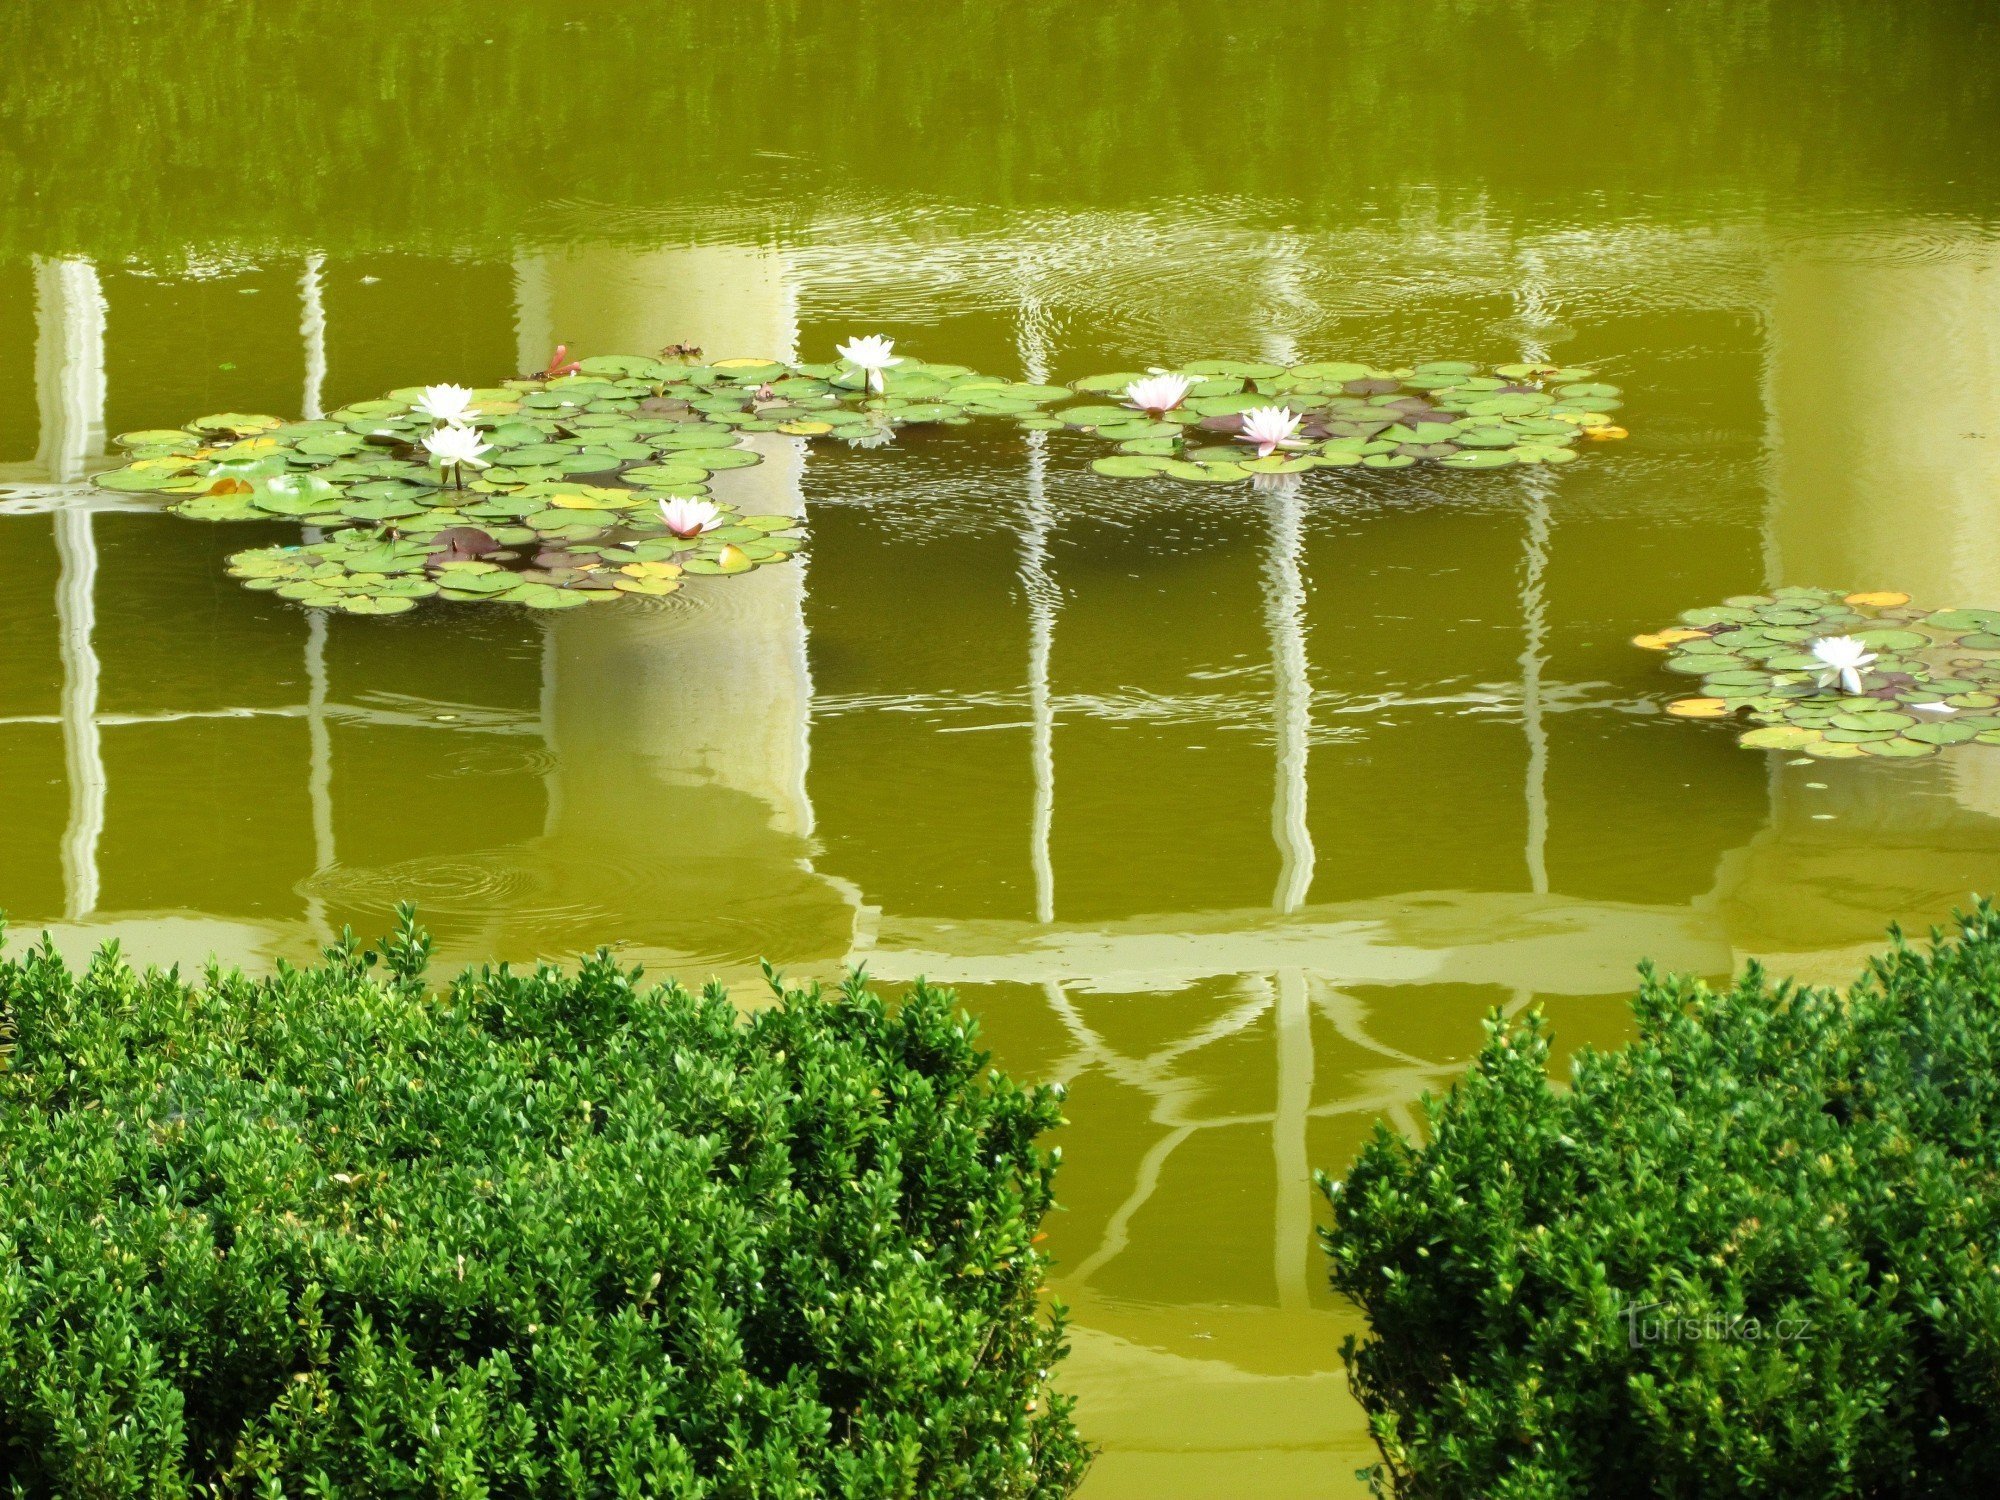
pixel 591 480
pixel 1839 676
pixel 1219 420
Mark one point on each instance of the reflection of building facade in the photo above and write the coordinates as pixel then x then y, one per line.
pixel 648 775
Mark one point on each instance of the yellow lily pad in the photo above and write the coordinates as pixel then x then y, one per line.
pixel 1699 708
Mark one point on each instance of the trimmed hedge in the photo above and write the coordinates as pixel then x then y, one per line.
pixel 541 1234
pixel 1754 1252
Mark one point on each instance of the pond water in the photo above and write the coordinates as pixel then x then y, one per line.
pixel 1236 809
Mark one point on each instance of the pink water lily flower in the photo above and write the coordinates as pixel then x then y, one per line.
pixel 1270 428
pixel 689 518
pixel 1158 393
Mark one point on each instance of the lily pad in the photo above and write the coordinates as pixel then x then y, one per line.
pixel 1779 737
pixel 580 459
pixel 1918 672
pixel 1129 465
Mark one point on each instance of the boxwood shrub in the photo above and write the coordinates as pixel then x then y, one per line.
pixel 1754 1252
pixel 538 1234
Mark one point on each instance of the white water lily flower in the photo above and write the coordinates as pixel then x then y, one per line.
pixel 1844 658
pixel 1931 708
pixel 689 518
pixel 1270 428
pixel 873 354
pixel 449 404
pixel 1158 393
pixel 454 447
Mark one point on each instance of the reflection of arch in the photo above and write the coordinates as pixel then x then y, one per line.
pixel 1555 947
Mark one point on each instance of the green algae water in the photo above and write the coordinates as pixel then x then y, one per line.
pixel 1234 807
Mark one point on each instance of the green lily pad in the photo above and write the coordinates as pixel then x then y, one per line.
pixel 1209 472
pixel 139 481
pixel 1899 748
pixel 1130 465
pixel 1892 640
pixel 1964 619
pixel 639 428
pixel 1778 737
pixel 1936 661
pixel 1879 720
pixel 1946 733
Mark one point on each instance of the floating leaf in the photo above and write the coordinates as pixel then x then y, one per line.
pixel 578 460
pixel 1128 465
pixel 1899 748
pixel 1751 653
pixel 1947 733
pixel 1778 737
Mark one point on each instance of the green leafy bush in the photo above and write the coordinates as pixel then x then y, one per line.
pixel 541 1234
pixel 1754 1252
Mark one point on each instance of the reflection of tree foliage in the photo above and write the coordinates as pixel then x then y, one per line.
pixel 144 126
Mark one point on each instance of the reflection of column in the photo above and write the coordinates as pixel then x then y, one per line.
pixel 1288 301
pixel 1292 1261
pixel 718 692
pixel 1044 598
pixel 83 749
pixel 69 379
pixel 319 773
pixel 1284 612
pixel 1882 395
pixel 1883 408
pixel 534 316
pixel 1537 483
pixel 312 333
pixel 1291 702
pixel 1535 314
pixel 1882 434
pixel 680 730
pixel 69 365
pixel 551 779
pixel 728 301
pixel 715 692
